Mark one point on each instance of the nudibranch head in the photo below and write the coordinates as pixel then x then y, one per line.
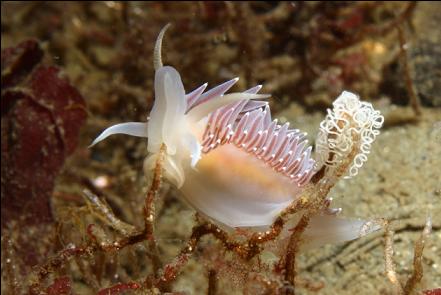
pixel 177 119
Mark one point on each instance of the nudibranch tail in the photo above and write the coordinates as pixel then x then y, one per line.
pixel 328 229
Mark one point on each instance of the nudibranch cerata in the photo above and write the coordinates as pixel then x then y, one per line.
pixel 232 162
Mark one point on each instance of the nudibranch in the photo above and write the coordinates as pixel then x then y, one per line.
pixel 235 164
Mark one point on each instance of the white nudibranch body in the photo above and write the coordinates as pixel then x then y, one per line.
pixel 252 167
pixel 236 165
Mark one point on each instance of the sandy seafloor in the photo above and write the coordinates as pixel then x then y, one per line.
pixel 401 180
